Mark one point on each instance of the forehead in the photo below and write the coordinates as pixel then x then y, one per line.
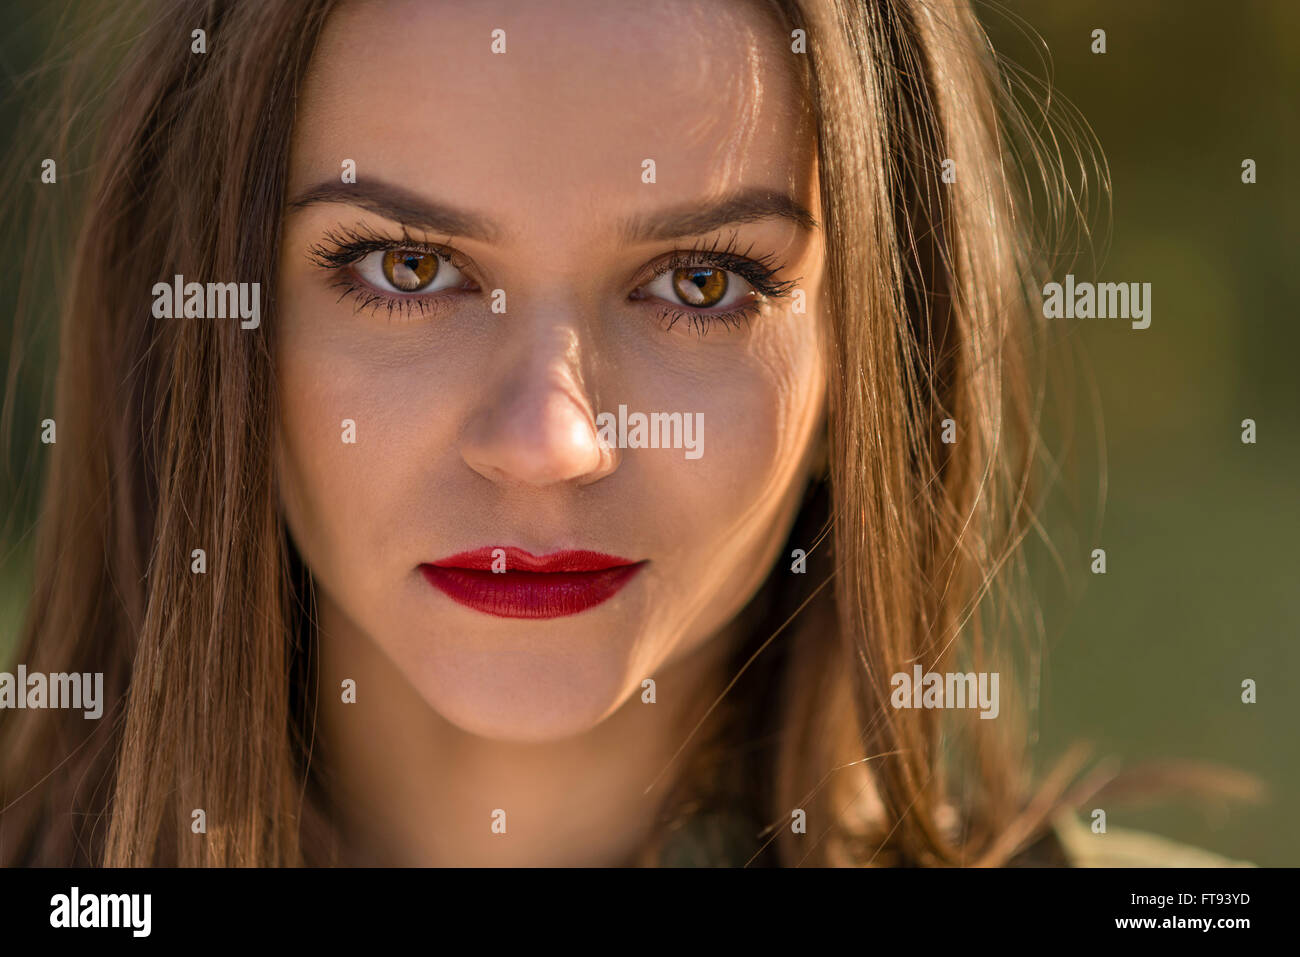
pixel 585 91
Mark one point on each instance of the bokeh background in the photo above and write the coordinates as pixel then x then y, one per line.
pixel 1203 580
pixel 1201 531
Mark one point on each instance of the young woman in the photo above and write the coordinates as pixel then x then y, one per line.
pixel 613 408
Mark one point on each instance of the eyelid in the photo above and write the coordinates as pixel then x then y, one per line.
pixel 369 299
pixel 702 321
pixel 759 271
pixel 372 274
pixel 345 246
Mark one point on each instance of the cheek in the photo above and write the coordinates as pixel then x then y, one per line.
pixel 720 519
pixel 349 454
pixel 317 480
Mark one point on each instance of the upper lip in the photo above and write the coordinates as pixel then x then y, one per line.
pixel 520 560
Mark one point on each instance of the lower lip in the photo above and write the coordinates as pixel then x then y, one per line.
pixel 515 594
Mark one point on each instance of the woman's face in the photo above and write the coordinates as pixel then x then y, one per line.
pixel 605 215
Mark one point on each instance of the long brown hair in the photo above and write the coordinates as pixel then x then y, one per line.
pixel 165 432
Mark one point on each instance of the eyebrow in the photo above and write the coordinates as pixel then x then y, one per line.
pixel 402 206
pixel 695 219
pixel 691 219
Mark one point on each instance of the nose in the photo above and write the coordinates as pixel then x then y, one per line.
pixel 536 426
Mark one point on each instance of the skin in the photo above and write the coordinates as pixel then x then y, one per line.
pixel 476 428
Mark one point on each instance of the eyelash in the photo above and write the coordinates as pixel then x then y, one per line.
pixel 760 272
pixel 340 249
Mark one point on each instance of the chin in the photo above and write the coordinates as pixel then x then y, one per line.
pixel 532 700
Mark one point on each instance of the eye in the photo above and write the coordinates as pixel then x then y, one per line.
pixel 408 271
pixel 701 287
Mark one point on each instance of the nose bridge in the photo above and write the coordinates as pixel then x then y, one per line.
pixel 547 373
pixel 555 360
pixel 536 424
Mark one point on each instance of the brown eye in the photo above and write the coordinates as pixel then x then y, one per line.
pixel 408 270
pixel 700 285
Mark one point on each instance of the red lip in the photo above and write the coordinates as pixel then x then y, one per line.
pixel 532 586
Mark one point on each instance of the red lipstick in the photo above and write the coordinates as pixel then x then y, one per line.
pixel 532 586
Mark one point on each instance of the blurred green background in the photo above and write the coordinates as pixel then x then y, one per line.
pixel 1202 587
pixel 1200 530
